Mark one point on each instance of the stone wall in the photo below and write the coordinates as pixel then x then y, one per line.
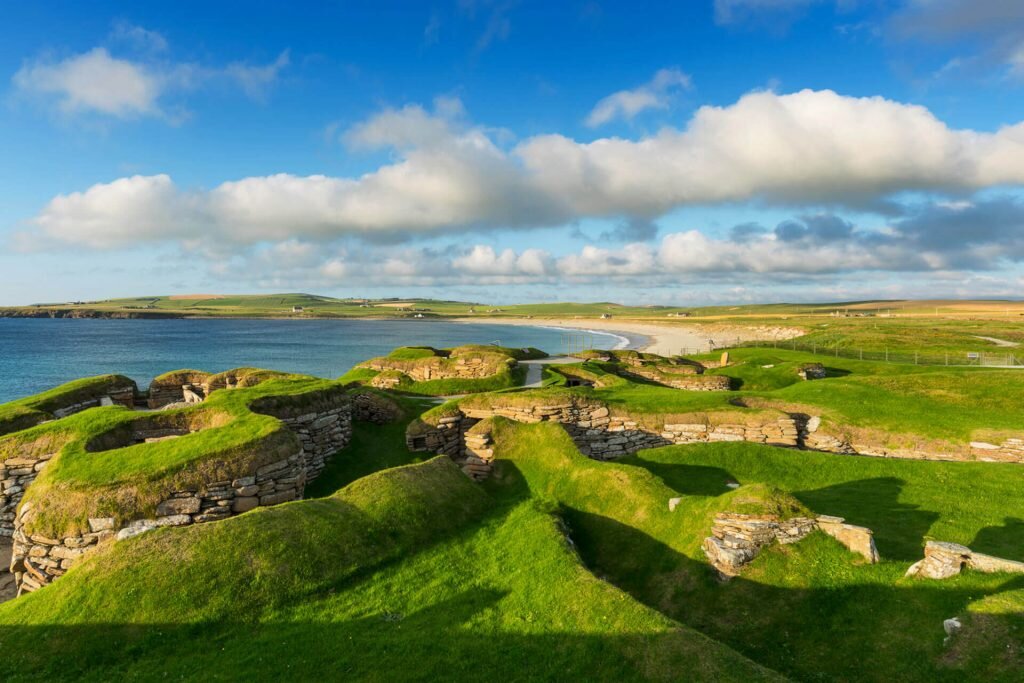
pixel 123 395
pixel 170 388
pixel 438 367
pixel 444 438
pixel 812 437
pixel 943 560
pixel 322 434
pixel 478 453
pixel 687 381
pixel 322 422
pixel 38 560
pixel 602 436
pixel 736 538
pixel 16 474
pixel 368 406
pixel 812 371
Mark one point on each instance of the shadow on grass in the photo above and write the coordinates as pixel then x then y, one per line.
pixel 809 633
pixel 874 503
pixel 1003 541
pixel 688 480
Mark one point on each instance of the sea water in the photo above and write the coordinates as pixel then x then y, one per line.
pixel 37 354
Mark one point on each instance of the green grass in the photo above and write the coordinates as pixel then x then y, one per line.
pixel 810 610
pixel 127 482
pixel 410 574
pixel 32 410
pixel 372 448
pixel 923 403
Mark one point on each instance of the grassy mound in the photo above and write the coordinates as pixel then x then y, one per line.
pixel 96 474
pixel 427 371
pixel 415 567
pixel 26 412
pixel 809 610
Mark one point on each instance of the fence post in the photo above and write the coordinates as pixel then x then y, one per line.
pixel 886 354
pixel 915 357
pixel 814 348
pixel 862 354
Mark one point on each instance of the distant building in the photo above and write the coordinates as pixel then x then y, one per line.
pixel 297 309
pixel 605 316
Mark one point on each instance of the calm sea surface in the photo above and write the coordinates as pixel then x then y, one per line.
pixel 36 354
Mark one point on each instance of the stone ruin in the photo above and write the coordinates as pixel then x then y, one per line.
pixel 809 371
pixel 736 539
pixel 321 423
pixel 943 560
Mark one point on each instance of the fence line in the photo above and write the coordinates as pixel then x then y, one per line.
pixel 952 359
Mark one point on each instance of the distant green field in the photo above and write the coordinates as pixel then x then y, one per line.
pixel 897 327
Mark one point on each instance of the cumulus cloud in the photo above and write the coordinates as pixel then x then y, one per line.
pixel 625 104
pixel 811 148
pixel 94 81
pixel 934 240
pixel 125 87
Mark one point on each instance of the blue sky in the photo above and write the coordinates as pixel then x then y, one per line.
pixel 679 153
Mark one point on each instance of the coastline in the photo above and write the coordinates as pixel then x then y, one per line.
pixel 664 340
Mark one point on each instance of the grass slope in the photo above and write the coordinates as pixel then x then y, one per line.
pixel 812 610
pixel 357 585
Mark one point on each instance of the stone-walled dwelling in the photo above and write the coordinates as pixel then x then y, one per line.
pixel 736 538
pixel 315 424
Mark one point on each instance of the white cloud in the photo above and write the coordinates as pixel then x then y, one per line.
pixel 625 104
pixel 483 260
pixel 807 147
pixel 95 81
pixel 256 80
pixel 138 37
pixel 811 148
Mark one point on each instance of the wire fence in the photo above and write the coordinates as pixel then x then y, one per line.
pixel 1005 359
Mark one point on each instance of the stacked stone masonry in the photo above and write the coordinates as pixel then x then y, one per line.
pixel 603 436
pixel 374 408
pixel 37 560
pixel 478 454
pixel 678 377
pixel 943 560
pixel 600 435
pixel 123 395
pixel 463 367
pixel 736 539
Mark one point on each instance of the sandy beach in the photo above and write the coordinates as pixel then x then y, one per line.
pixel 662 339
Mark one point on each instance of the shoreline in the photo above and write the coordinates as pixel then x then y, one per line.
pixel 664 340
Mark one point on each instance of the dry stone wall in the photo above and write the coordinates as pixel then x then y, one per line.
pixel 322 426
pixel 37 560
pixel 687 381
pixel 601 435
pixel 814 437
pixel 123 395
pixel 371 407
pixel 943 560
pixel 736 538
pixel 424 369
pixel 16 474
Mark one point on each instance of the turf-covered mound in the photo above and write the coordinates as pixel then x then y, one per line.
pixel 413 573
pixel 120 464
pixel 438 372
pixel 64 400
pixel 640 524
